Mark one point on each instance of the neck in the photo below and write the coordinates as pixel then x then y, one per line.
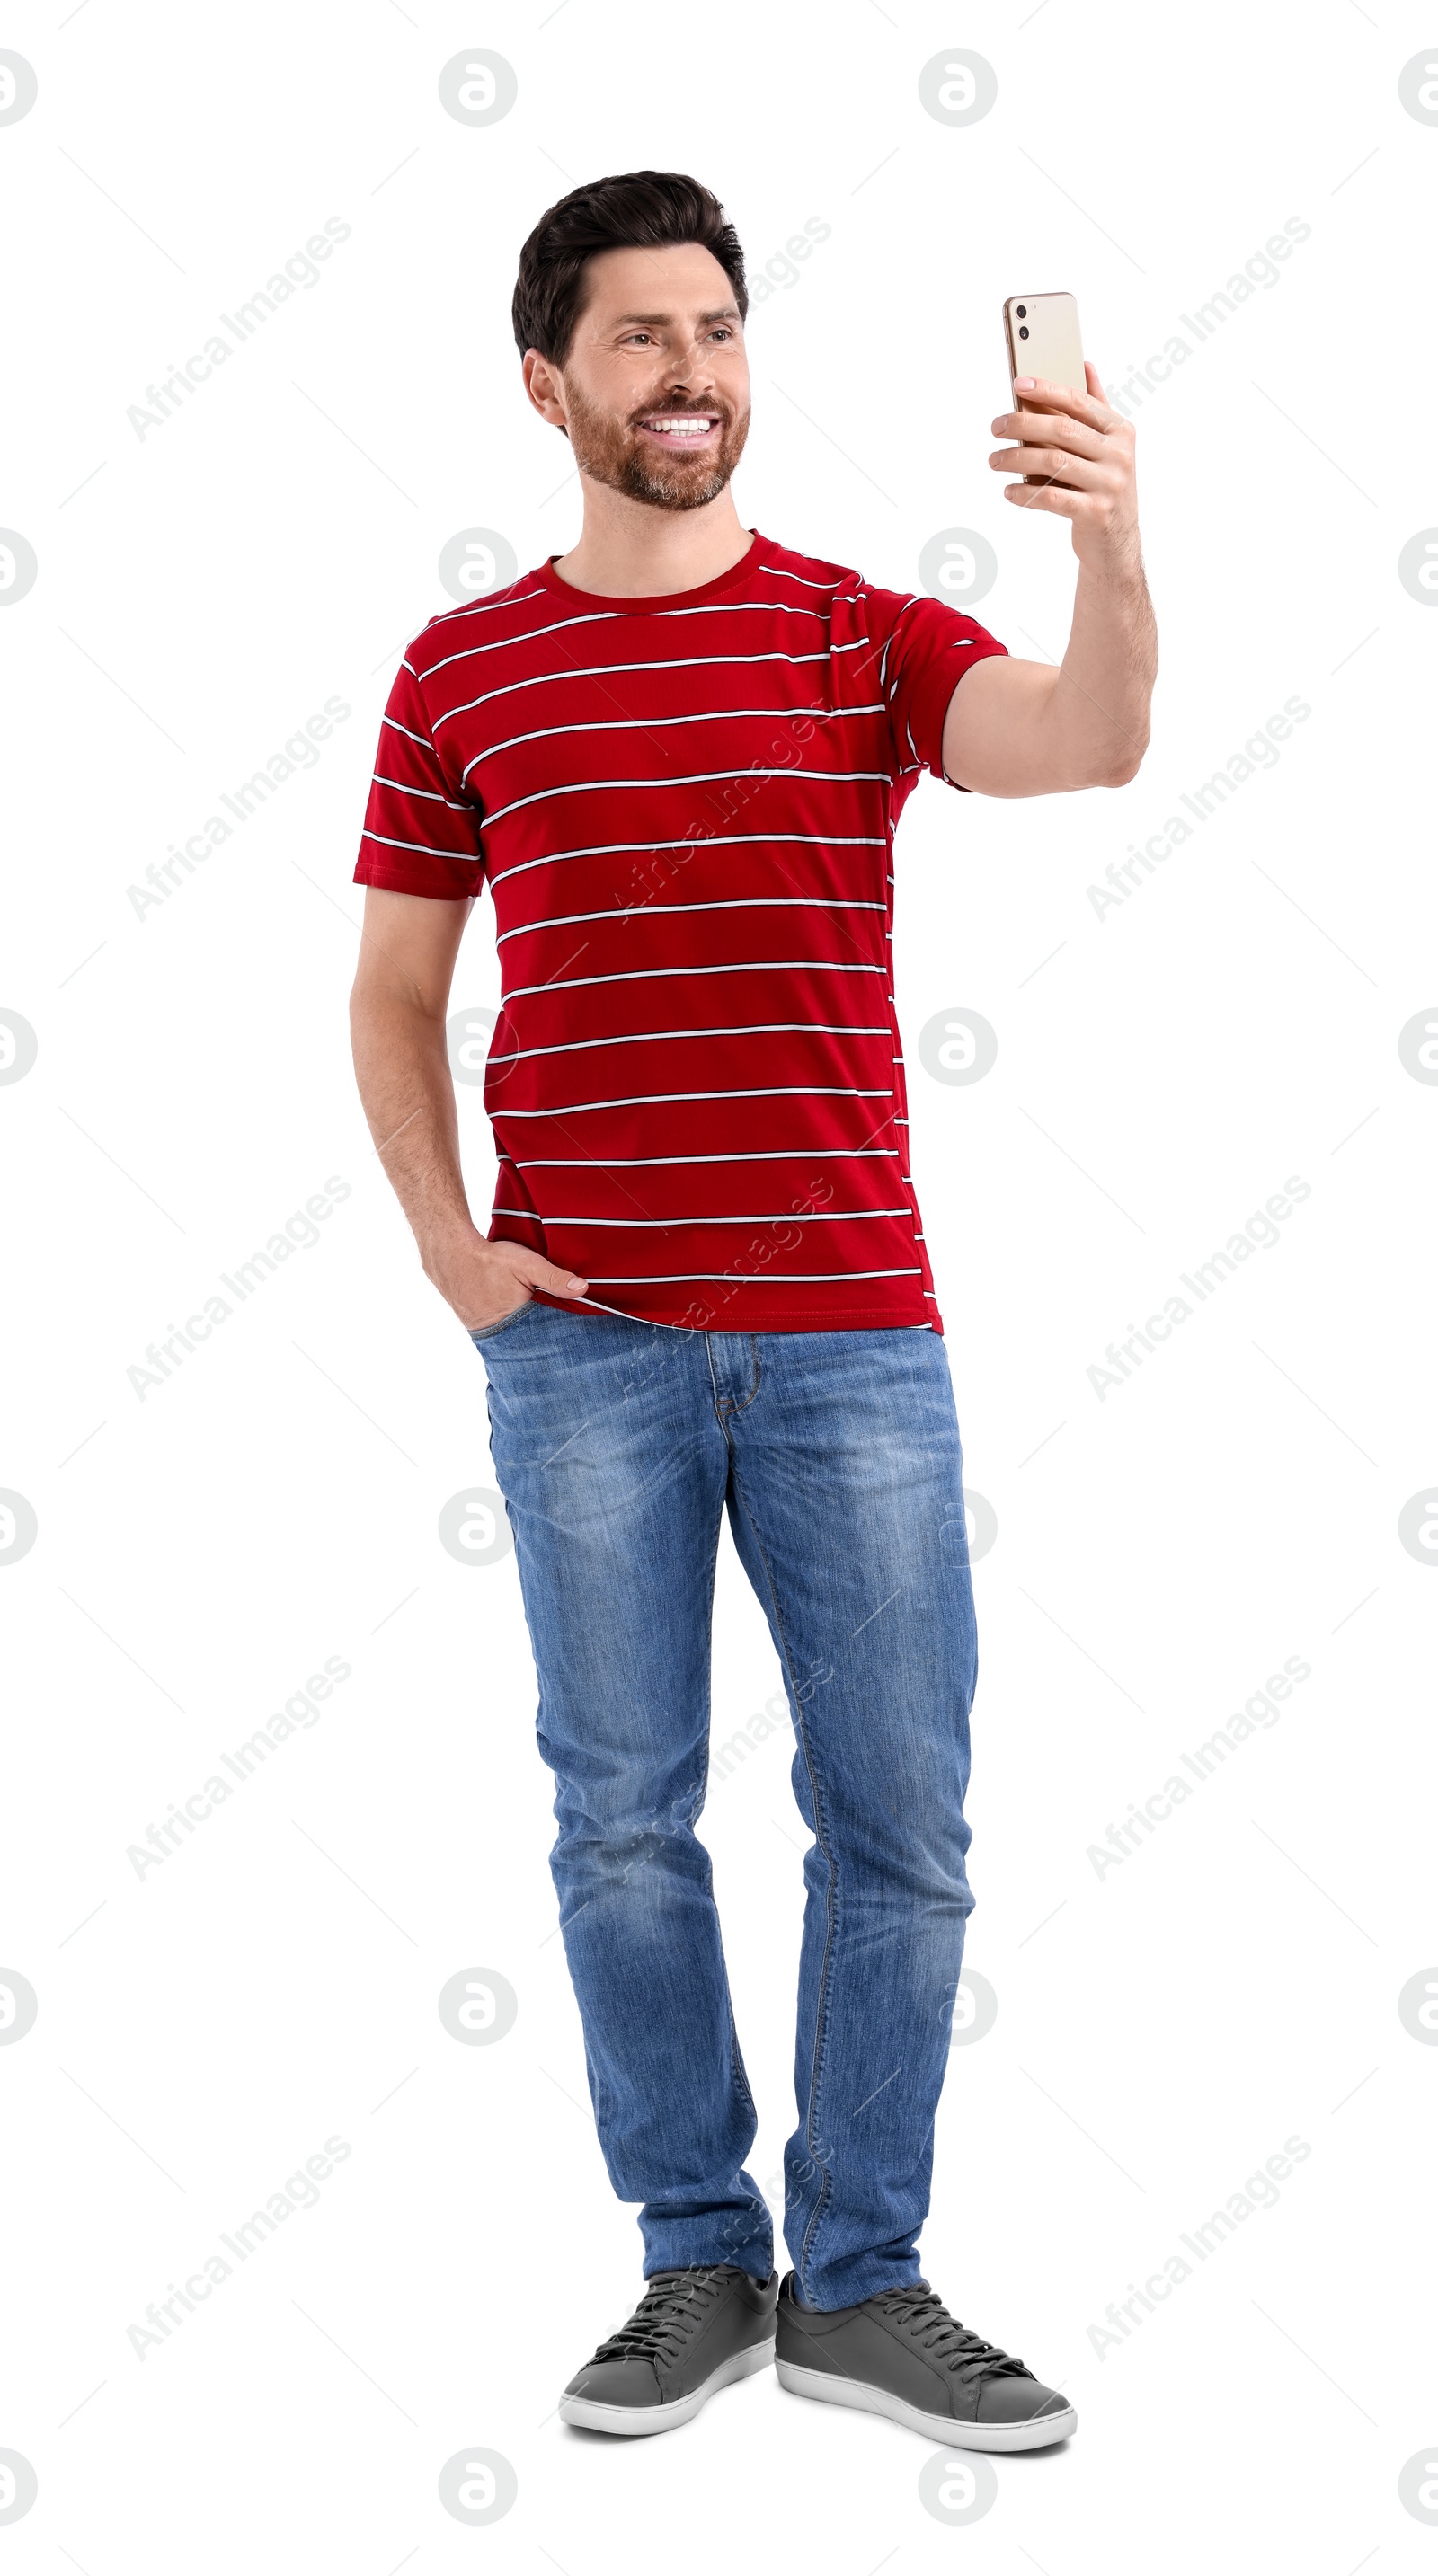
pixel 630 550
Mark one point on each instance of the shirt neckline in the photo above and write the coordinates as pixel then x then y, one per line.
pixel 620 604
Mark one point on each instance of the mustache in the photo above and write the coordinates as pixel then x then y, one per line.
pixel 681 411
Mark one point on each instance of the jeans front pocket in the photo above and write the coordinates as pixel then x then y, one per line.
pixel 486 1332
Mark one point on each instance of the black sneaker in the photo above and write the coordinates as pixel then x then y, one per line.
pixel 691 2333
pixel 902 2354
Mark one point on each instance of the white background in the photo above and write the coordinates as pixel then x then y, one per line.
pixel 1161 1071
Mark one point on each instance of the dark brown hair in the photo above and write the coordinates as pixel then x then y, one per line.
pixel 644 209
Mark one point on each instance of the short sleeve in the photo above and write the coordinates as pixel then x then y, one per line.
pixel 419 837
pixel 927 649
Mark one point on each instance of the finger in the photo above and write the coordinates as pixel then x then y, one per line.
pixel 1062 398
pixel 536 1272
pixel 1076 435
pixel 1046 496
pixel 1095 388
pixel 1054 465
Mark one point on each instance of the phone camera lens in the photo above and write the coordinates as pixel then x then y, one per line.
pixel 1023 335
pixel 1022 311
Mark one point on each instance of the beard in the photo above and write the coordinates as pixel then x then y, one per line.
pixel 607 449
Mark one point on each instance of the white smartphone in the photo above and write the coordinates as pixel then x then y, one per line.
pixel 1041 333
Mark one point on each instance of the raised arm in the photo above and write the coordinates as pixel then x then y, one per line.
pixel 397 1023
pixel 1018 728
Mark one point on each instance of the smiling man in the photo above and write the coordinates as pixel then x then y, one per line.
pixel 676 755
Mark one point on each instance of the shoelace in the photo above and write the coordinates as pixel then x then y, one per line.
pixel 673 2305
pixel 956 2346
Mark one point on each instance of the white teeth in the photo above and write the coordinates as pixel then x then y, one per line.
pixel 685 427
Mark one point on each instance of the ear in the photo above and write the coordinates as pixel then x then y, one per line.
pixel 543 385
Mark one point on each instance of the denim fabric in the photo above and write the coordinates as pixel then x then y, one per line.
pixel 618 1447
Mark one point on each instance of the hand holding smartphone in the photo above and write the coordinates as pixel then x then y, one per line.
pixel 1042 336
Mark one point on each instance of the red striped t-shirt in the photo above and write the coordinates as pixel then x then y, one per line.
pixel 684 807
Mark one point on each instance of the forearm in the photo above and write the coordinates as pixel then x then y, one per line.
pixel 1025 728
pixel 407 1091
pixel 1096 727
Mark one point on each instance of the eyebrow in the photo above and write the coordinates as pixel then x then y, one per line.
pixel 721 313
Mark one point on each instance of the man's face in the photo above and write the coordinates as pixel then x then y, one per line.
pixel 654 391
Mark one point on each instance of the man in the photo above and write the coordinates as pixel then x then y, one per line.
pixel 677 754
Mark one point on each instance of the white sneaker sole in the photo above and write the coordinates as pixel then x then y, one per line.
pixel 1033 2436
pixel 595 2418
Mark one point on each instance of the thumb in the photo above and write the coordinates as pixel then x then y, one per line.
pixel 539 1273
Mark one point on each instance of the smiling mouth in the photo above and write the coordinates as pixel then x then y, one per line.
pixel 679 430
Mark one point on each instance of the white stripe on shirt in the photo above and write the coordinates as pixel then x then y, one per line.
pixel 603 670
pixel 646 974
pixel 690 778
pixel 642 1162
pixel 654 1037
pixel 654 724
pixel 667 1224
pixel 749 1279
pixel 660 911
pixel 689 841
pixel 652 1099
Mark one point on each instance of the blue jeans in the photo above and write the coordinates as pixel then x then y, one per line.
pixel 618 1446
